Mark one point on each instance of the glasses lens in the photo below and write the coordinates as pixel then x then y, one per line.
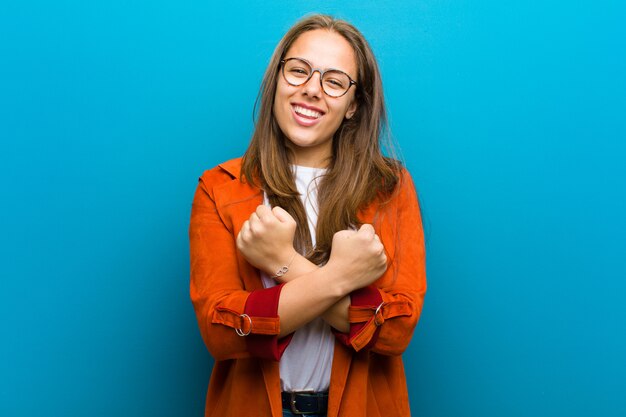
pixel 335 83
pixel 296 72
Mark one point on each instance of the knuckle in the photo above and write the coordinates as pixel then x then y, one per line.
pixel 255 229
pixel 260 212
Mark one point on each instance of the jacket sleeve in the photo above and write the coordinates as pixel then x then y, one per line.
pixel 234 322
pixel 383 315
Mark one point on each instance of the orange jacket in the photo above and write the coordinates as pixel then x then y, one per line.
pixel 367 377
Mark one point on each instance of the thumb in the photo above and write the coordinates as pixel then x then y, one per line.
pixel 282 215
pixel 367 229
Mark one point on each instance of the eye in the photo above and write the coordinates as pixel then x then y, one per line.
pixel 298 71
pixel 335 83
pixel 336 80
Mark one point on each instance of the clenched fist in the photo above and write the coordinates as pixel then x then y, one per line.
pixel 266 238
pixel 357 257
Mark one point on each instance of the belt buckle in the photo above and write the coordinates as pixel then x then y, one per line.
pixel 292 403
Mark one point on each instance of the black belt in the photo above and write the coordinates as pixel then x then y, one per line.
pixel 305 402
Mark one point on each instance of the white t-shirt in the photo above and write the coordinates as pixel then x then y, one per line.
pixel 307 361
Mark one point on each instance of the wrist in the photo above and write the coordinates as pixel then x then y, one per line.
pixel 336 280
pixel 280 268
pixel 299 266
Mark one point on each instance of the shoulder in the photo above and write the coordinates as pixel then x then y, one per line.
pixel 225 184
pixel 405 181
pixel 394 178
pixel 404 193
pixel 403 184
pixel 222 173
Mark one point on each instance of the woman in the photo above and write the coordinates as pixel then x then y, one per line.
pixel 307 255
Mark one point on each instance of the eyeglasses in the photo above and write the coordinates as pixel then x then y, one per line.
pixel 334 82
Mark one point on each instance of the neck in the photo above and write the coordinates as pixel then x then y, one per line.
pixel 309 158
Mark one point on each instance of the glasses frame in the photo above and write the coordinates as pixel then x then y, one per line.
pixel 313 71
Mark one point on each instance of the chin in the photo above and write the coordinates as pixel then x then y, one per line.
pixel 307 142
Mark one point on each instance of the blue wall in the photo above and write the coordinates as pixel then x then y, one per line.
pixel 510 115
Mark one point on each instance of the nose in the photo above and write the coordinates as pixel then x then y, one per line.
pixel 313 87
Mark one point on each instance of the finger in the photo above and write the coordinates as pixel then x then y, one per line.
pixel 243 234
pixel 245 229
pixel 282 215
pixel 254 218
pixel 263 211
pixel 254 223
pixel 256 227
pixel 383 260
pixel 346 233
pixel 367 229
pixel 239 241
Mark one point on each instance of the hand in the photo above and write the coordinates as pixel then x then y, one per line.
pixel 358 257
pixel 266 238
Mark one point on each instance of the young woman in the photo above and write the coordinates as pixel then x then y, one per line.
pixel 307 254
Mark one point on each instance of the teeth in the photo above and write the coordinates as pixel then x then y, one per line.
pixel 307 112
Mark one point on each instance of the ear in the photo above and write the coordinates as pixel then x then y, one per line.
pixel 351 109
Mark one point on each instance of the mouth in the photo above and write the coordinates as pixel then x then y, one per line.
pixel 306 112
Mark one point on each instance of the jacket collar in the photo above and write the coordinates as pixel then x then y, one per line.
pixel 247 197
pixel 237 191
pixel 233 167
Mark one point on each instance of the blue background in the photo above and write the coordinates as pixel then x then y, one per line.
pixel 510 115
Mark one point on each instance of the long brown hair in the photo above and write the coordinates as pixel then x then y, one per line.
pixel 357 174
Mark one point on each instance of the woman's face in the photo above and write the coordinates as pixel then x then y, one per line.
pixel 306 115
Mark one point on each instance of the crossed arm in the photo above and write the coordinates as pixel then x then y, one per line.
pixel 357 259
pixel 369 312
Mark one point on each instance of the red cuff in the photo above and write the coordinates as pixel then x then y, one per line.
pixel 264 303
pixel 363 297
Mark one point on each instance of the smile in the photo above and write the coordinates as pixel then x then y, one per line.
pixel 308 113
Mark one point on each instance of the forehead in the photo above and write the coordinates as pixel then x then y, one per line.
pixel 324 49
